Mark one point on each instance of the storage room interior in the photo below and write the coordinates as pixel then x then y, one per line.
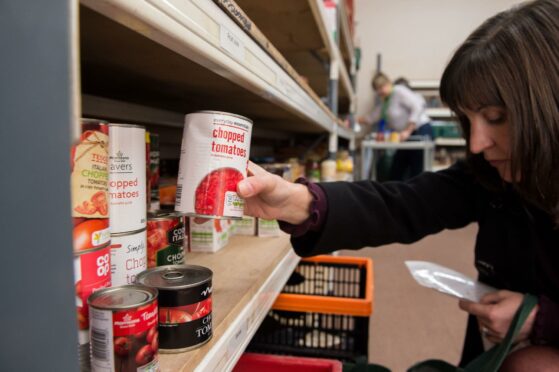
pixel 141 124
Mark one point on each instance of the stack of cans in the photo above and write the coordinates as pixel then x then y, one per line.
pixel 127 202
pixel 90 215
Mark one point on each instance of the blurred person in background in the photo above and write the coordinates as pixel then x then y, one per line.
pixel 401 110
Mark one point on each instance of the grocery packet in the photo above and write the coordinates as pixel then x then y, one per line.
pixel 445 280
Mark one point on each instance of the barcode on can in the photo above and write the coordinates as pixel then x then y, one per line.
pixel 178 195
pixel 99 347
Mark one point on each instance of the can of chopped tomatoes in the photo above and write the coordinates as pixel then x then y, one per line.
pixel 123 329
pixel 127 177
pixel 165 238
pixel 92 272
pixel 89 186
pixel 154 170
pixel 214 158
pixel 128 256
pixel 89 177
pixel 185 305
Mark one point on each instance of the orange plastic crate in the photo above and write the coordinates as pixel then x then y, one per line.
pixel 344 299
pixel 322 312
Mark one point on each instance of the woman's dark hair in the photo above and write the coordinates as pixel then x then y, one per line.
pixel 512 61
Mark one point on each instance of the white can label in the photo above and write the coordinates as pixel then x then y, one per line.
pixel 127 178
pixel 214 158
pixel 128 257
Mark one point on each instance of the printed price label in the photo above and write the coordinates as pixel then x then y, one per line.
pixel 231 44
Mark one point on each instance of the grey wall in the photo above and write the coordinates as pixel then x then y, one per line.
pixel 415 37
pixel 37 307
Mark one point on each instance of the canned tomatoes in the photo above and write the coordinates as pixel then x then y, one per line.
pixel 92 272
pixel 185 305
pixel 154 169
pixel 128 256
pixel 165 238
pixel 127 177
pixel 214 158
pixel 89 185
pixel 123 325
pixel 88 162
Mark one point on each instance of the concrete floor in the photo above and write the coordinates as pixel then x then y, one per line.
pixel 411 323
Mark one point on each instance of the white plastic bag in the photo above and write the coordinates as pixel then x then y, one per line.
pixel 447 281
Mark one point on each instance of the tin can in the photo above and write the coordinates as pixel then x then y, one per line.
pixel 165 238
pixel 148 171
pixel 89 186
pixel 128 256
pixel 127 177
pixel 123 324
pixel 214 158
pixel 185 305
pixel 154 170
pixel 92 272
pixel 89 178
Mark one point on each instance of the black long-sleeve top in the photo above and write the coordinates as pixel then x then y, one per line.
pixel 517 246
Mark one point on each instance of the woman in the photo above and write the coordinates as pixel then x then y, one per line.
pixel 403 111
pixel 503 84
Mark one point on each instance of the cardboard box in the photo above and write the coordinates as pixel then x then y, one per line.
pixel 246 226
pixel 209 236
pixel 268 228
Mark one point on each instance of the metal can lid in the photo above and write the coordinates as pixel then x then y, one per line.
pixel 175 277
pixel 93 121
pixel 223 113
pixel 127 125
pixel 127 233
pixel 122 297
pixel 161 215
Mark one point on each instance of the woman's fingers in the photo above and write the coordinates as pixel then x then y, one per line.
pixel 255 170
pixel 255 185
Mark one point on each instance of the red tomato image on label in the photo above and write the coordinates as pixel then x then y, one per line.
pixel 210 193
pixel 84 231
pixel 144 355
pixel 122 346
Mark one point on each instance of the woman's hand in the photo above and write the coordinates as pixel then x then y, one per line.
pixel 495 312
pixel 271 197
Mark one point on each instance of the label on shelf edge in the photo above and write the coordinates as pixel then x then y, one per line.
pixel 229 42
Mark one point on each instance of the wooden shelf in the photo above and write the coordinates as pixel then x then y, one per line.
pixel 248 275
pixel 440 141
pixel 424 84
pixel 439 113
pixel 297 28
pixel 183 56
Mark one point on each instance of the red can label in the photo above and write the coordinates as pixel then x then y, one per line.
pixel 165 241
pixel 126 340
pixel 92 271
pixel 89 178
pixel 214 158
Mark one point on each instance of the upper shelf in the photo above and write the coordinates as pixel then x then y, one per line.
pixel 187 55
pixel 298 29
pixel 346 38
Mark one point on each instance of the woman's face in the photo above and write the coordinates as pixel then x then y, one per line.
pixel 490 136
pixel 384 90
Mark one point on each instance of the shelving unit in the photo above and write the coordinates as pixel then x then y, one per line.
pixel 298 29
pixel 447 149
pixel 147 62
